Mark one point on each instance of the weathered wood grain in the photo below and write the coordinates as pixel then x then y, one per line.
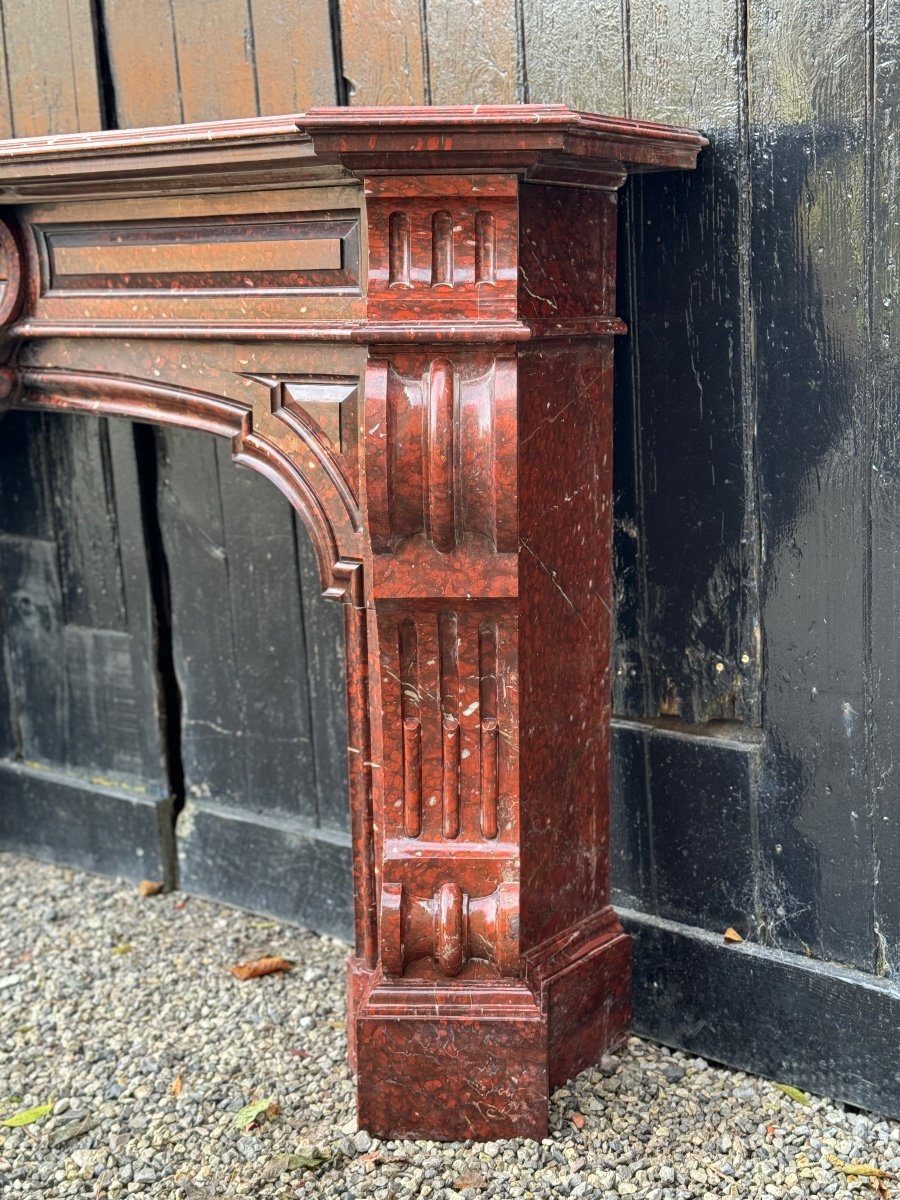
pixel 25 509
pixel 884 761
pixel 295 67
pixel 216 67
pixel 687 554
pixel 51 65
pixel 26 502
pixel 86 526
pixel 262 598
pixel 146 86
pixel 144 622
pixel 685 59
pixel 808 275
pixel 9 735
pixel 473 52
pixel 268 865
pixel 35 647
pixel 240 662
pixel 575 53
pixel 77 619
pixel 384 54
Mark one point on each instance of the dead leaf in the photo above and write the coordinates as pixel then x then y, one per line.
pixel 177 1085
pixel 260 966
pixel 149 887
pixel 732 935
pixel 863 1170
pixel 295 1052
pixel 122 948
pixel 470 1181
pixel 794 1093
pixel 251 1113
pixel 28 1116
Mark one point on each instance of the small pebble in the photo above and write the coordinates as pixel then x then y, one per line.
pixel 657 1124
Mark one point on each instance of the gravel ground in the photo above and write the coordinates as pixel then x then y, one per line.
pixel 122 1011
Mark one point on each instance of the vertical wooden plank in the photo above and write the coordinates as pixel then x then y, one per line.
pixel 268 56
pixel 684 429
pixel 103 716
pixel 25 509
pixel 885 479
pixel 263 596
pixel 574 53
pixel 147 88
pixel 9 733
pixel 86 523
pixel 111 705
pixel 808 72
pixel 294 60
pixel 52 63
pixel 25 492
pixel 685 62
pixel 686 554
pixel 190 519
pixel 238 632
pixel 6 116
pixel 214 45
pixel 146 737
pixel 473 52
pixel 32 605
pixel 70 614
pixel 383 57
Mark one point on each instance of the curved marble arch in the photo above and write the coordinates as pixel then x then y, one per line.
pixel 403 318
pixel 139 399
pixel 341 576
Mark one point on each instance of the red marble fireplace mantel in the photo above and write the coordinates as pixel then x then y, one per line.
pixel 404 318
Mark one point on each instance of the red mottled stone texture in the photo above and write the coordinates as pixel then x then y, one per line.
pixel 479 1053
pixel 565 475
pixel 431 386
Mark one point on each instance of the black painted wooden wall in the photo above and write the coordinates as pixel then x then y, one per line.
pixel 757 505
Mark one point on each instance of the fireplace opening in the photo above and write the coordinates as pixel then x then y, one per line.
pixel 172 700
